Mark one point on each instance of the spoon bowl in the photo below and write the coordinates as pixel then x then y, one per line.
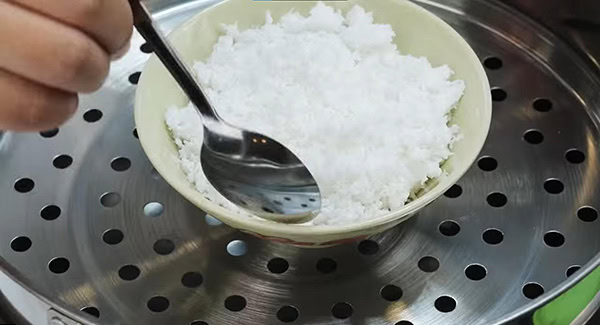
pixel 261 176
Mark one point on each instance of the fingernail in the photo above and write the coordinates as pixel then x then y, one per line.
pixel 74 104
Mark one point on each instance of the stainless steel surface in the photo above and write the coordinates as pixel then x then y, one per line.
pixel 23 305
pixel 577 22
pixel 250 169
pixel 588 313
pixel 595 319
pixel 466 259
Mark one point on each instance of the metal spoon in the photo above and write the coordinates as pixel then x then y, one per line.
pixel 249 169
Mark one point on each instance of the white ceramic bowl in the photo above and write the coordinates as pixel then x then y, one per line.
pixel 418 32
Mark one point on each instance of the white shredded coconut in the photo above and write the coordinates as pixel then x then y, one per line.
pixel 369 123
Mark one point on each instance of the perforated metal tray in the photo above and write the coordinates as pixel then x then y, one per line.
pixel 88 223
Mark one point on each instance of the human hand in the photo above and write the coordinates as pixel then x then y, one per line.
pixel 52 50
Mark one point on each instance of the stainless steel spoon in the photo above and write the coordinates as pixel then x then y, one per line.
pixel 250 169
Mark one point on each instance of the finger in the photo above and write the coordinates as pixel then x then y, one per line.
pixel 110 22
pixel 121 52
pixel 51 53
pixel 28 106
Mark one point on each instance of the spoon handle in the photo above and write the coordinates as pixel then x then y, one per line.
pixel 170 58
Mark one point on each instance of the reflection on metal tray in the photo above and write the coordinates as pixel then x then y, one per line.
pixel 103 233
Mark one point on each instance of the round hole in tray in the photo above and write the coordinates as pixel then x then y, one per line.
pixel 429 264
pixel 112 236
pixel 554 186
pixel 391 292
pixel 493 236
pixel 24 185
pixel 278 265
pixel 237 248
pixel 134 78
pixel 59 265
pixel 476 272
pixel 575 156
pixel 163 246
pixel 572 269
pixel 20 244
pixel 154 209
pixel 533 136
pixel 326 265
pixel 92 115
pixel 50 212
pixel 497 199
pixel 533 290
pixel 493 63
pixel 212 221
pixel 146 48
pixel 499 94
pixel 403 322
pixel 158 304
pixel 454 191
pixel 49 133
pixel 129 272
pixel 62 161
pixel 235 303
pixel 368 247
pixel 449 228
pixel 554 239
pixel 342 310
pixel 288 314
pixel 445 304
pixel 542 105
pixel 154 174
pixel 120 164
pixel 587 214
pixel 487 163
pixel 265 209
pixel 110 199
pixel 93 311
pixel 192 280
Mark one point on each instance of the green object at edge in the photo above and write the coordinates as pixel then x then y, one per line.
pixel 564 309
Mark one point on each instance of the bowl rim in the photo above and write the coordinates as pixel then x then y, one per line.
pixel 271 228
